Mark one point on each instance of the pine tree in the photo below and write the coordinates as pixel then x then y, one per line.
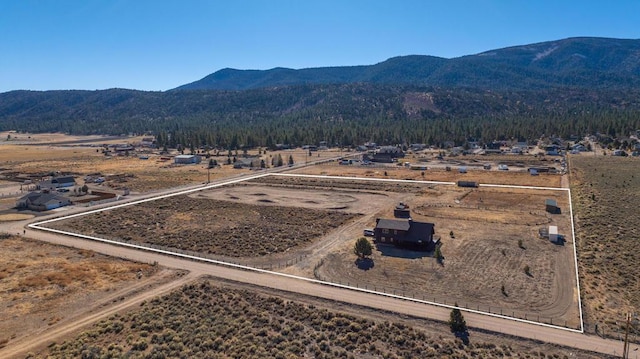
pixel 362 248
pixel 456 321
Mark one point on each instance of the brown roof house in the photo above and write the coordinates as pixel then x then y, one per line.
pixel 406 233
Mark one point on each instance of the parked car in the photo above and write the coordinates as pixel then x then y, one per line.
pixel 368 232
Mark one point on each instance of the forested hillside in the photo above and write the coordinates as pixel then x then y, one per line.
pixel 346 114
pixel 595 63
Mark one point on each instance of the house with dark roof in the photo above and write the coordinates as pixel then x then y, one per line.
pixel 57 182
pixel 246 163
pixel 387 154
pixel 406 233
pixel 38 201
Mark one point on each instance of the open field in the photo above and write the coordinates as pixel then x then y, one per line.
pixel 606 194
pixel 210 226
pixel 213 319
pixel 39 155
pixel 43 284
pixel 495 238
pixel 438 175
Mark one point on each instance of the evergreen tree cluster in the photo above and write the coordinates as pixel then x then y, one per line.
pixel 342 115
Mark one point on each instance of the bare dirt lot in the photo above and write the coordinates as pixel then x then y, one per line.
pixel 606 196
pixel 42 284
pixel 495 237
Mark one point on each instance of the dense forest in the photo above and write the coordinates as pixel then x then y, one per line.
pixel 345 115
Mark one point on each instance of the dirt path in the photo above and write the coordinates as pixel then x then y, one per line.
pixel 135 294
pixel 338 294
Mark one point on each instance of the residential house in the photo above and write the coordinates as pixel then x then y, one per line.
pixel 406 233
pixel 56 182
pixel 246 163
pixel 387 154
pixel 39 201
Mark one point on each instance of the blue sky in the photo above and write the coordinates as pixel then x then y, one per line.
pixel 158 45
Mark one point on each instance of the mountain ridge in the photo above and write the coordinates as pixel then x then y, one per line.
pixel 585 62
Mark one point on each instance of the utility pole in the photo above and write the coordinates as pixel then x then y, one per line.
pixel 208 174
pixel 625 350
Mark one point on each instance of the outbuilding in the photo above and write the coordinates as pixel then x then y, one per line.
pixel 467 184
pixel 553 234
pixel 187 159
pixel 551 206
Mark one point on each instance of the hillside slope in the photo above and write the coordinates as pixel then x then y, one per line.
pixel 575 62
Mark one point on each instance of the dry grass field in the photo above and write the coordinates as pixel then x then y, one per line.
pixel 606 194
pixel 495 238
pixel 210 226
pixel 42 154
pixel 440 175
pixel 210 320
pixel 42 284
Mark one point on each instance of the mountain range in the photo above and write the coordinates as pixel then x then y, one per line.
pixel 565 88
pixel 586 62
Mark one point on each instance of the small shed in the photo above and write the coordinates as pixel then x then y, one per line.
pixel 402 211
pixel 467 184
pixel 551 206
pixel 553 234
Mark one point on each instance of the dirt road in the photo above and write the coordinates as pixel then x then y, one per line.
pixel 339 294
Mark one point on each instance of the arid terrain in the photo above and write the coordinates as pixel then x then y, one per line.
pixel 210 226
pixel 438 174
pixel 143 170
pixel 209 319
pixel 319 219
pixel 43 284
pixel 606 194
pixel 307 227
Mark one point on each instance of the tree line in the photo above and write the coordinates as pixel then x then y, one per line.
pixel 344 115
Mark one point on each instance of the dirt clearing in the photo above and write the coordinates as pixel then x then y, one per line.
pixel 43 284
